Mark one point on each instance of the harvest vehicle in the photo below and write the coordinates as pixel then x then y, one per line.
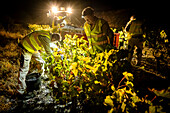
pixel 60 21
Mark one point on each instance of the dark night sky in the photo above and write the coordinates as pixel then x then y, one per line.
pixel 100 4
pixel 19 9
pixel 15 6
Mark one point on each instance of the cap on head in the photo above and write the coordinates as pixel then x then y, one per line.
pixel 88 11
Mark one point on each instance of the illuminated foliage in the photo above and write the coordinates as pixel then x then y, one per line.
pixel 91 78
pixel 94 80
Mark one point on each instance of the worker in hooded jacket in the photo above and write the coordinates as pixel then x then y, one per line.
pixel 30 46
pixel 97 31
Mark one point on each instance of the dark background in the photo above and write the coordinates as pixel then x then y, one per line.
pixel 34 11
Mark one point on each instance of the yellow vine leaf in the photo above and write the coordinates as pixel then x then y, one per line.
pixel 108 101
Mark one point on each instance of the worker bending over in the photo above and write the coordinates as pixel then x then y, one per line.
pixel 31 44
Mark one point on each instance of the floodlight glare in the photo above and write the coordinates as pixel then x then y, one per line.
pixel 54 9
pixel 69 10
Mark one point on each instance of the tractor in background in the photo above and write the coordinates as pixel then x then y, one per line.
pixel 60 21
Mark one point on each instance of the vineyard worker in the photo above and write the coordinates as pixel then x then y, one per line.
pixel 31 44
pixel 136 31
pixel 97 31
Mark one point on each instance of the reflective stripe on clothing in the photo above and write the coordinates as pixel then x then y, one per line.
pixel 32 43
pixel 96 37
pixel 100 43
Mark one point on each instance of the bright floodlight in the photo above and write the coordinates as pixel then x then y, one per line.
pixel 54 9
pixel 69 10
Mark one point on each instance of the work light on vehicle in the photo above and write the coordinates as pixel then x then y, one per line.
pixel 69 10
pixel 54 9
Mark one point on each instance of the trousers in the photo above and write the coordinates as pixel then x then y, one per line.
pixel 24 68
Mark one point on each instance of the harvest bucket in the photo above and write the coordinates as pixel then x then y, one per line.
pixel 33 81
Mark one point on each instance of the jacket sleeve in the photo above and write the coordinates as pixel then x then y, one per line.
pixel 87 33
pixel 46 44
pixel 109 33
